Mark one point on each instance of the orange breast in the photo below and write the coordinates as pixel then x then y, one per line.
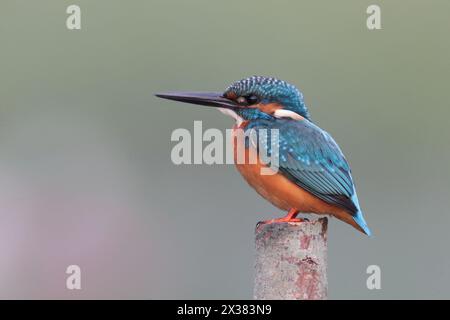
pixel 279 190
pixel 282 192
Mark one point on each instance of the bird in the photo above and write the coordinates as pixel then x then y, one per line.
pixel 312 176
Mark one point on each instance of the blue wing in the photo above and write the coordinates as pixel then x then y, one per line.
pixel 309 157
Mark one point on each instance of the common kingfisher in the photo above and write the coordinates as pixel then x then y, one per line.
pixel 313 175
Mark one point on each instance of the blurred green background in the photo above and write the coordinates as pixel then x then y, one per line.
pixel 85 170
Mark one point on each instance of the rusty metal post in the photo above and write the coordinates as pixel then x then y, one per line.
pixel 291 261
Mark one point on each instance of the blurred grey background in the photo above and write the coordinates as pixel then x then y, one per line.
pixel 85 170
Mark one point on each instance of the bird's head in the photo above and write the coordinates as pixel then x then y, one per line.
pixel 250 99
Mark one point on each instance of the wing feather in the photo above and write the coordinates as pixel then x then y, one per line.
pixel 309 157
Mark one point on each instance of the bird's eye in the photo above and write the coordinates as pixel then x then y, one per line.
pixel 252 99
pixel 247 100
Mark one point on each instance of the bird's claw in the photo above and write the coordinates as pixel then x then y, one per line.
pixel 279 220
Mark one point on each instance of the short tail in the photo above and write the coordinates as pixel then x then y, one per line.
pixel 359 219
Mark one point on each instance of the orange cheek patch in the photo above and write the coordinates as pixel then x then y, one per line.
pixel 231 95
pixel 269 108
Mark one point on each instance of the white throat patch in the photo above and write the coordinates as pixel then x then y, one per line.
pixel 232 114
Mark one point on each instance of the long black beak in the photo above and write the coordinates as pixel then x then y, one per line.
pixel 213 99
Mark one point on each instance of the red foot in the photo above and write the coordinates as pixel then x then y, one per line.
pixel 284 219
pixel 290 217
